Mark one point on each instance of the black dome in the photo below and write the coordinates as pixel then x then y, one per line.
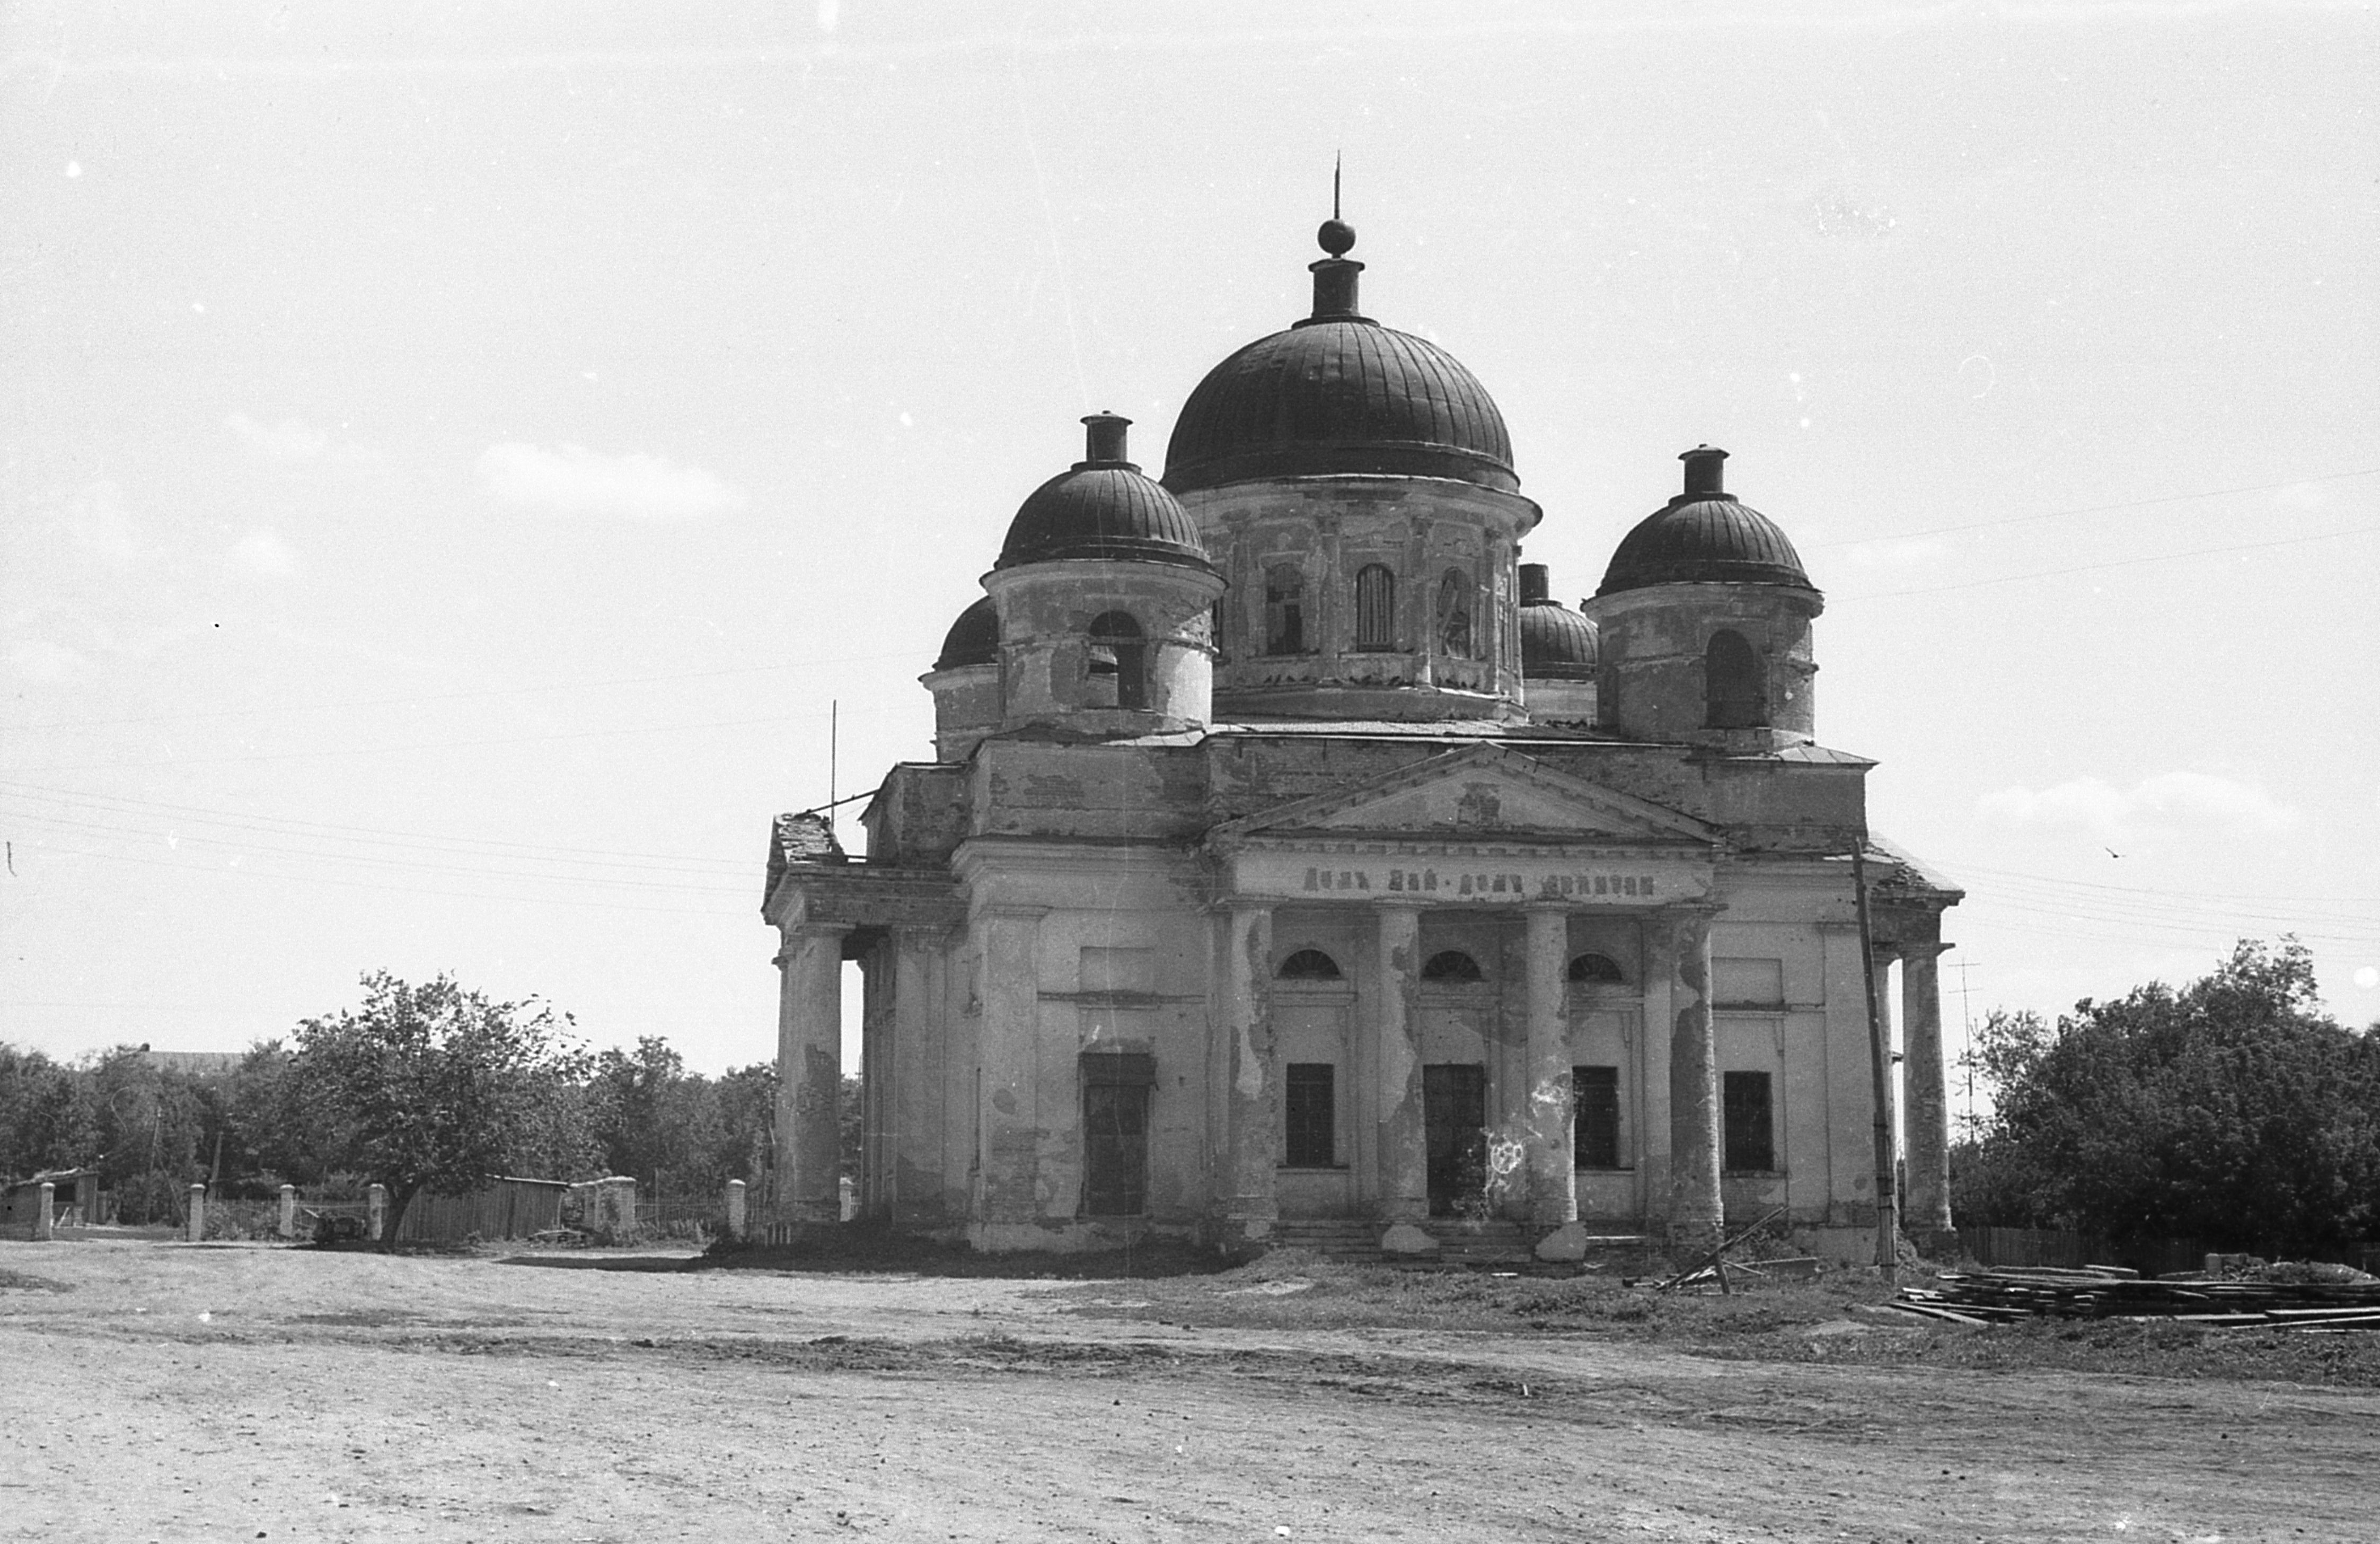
pixel 1704 536
pixel 1557 643
pixel 1102 508
pixel 1339 395
pixel 974 638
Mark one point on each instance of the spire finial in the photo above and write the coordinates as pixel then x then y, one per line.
pixel 1336 236
pixel 1338 160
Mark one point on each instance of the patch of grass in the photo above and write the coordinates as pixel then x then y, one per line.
pixel 16 1281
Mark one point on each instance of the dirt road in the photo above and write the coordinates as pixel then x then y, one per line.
pixel 167 1392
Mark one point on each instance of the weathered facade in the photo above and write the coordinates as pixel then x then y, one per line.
pixel 1289 853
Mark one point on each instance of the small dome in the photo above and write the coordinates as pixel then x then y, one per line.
pixel 1337 393
pixel 1557 643
pixel 1704 536
pixel 1104 507
pixel 974 638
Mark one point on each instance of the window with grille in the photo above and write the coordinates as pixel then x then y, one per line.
pixel 1309 1095
pixel 1452 965
pixel 1376 607
pixel 1285 609
pixel 1597 970
pixel 1595 1125
pixel 1308 965
pixel 1750 1140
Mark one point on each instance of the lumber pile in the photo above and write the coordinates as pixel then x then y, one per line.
pixel 1977 1298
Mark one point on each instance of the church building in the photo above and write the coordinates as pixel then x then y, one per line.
pixel 1293 865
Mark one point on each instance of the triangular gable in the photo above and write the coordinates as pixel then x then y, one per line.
pixel 1479 792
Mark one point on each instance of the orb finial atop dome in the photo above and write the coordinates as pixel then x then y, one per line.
pixel 1336 236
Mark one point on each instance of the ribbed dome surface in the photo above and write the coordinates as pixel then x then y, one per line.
pixel 974 638
pixel 1557 643
pixel 1703 539
pixel 1339 395
pixel 1102 510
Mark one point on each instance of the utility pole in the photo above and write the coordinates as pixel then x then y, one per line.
pixel 1887 1206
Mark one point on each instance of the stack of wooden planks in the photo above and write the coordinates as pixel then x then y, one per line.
pixel 2003 1297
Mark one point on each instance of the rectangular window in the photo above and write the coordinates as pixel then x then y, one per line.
pixel 1310 1092
pixel 1595 1127
pixel 1750 1141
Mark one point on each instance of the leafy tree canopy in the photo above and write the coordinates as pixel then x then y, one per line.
pixel 433 1086
pixel 2232 1110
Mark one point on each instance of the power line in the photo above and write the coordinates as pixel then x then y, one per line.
pixel 2093 510
pixel 2112 562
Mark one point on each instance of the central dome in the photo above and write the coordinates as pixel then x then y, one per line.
pixel 1338 393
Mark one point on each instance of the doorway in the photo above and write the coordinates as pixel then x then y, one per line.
pixel 1454 1113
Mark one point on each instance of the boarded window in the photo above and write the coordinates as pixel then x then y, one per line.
pixel 1595 1127
pixel 1455 636
pixel 1310 1094
pixel 1452 965
pixel 1750 1137
pixel 1115 1134
pixel 1376 607
pixel 1596 970
pixel 1119 662
pixel 1732 682
pixel 1285 609
pixel 1309 965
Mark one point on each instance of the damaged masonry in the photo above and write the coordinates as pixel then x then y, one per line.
pixel 1292 863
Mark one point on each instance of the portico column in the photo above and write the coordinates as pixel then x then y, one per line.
pixel 1697 1214
pixel 1924 1096
pixel 1253 1086
pixel 809 1074
pixel 1553 1171
pixel 1009 1200
pixel 1403 1139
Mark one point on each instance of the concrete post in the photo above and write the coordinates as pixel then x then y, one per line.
pixel 375 1211
pixel 1697 1213
pixel 1924 1095
pixel 195 1226
pixel 1553 1169
pixel 1251 1207
pixel 288 1228
pixel 45 1213
pixel 809 1074
pixel 736 1203
pixel 1403 1139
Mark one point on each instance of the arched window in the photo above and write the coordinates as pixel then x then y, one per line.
pixel 1454 635
pixel 1596 970
pixel 1308 965
pixel 1732 682
pixel 1119 662
pixel 1451 965
pixel 1285 609
pixel 1376 608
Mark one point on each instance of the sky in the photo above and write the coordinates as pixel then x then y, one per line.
pixel 458 462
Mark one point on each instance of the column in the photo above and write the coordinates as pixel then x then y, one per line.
pixel 1553 1169
pixel 1696 1212
pixel 197 1218
pixel 1403 1139
pixel 914 1138
pixel 1883 955
pixel 1328 593
pixel 809 1074
pixel 45 1200
pixel 735 1209
pixel 1924 1098
pixel 1008 1199
pixel 288 1228
pixel 1253 1085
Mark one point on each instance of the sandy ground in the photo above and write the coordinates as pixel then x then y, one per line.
pixel 175 1392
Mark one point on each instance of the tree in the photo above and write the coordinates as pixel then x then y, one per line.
pixel 434 1087
pixel 2232 1111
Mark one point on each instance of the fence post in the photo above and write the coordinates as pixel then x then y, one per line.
pixel 44 1223
pixel 197 1221
pixel 735 1209
pixel 375 1210
pixel 288 1211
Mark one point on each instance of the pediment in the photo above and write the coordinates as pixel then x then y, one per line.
pixel 1478 793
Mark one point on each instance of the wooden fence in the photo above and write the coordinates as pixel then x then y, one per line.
pixel 506 1208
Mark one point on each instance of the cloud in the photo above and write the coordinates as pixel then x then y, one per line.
pixel 288 441
pixel 2169 803
pixel 261 554
pixel 573 480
